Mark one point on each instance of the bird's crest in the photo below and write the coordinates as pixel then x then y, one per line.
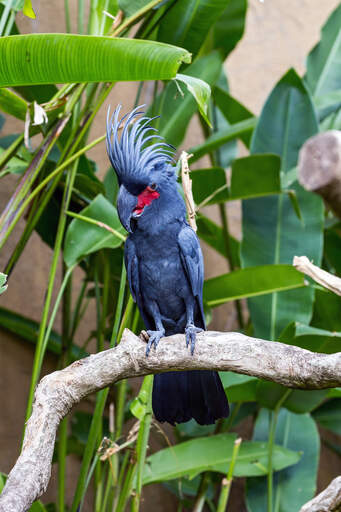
pixel 131 157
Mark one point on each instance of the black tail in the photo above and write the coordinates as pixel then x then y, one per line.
pixel 181 396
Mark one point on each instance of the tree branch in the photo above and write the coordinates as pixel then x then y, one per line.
pixel 333 283
pixel 319 167
pixel 58 392
pixel 328 500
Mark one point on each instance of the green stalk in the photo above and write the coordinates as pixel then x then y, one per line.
pixel 227 482
pixel 97 417
pixel 62 452
pixel 67 16
pixel 76 313
pixel 5 15
pixel 201 494
pixel 80 18
pixel 10 24
pixel 272 432
pixel 46 198
pixel 119 306
pixel 98 224
pixel 88 479
pixel 42 338
pixel 126 488
pixel 142 442
pixel 135 17
pixel 15 204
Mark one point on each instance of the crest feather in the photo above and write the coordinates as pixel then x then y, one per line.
pixel 131 156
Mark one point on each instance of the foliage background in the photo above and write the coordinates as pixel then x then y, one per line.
pixel 278 36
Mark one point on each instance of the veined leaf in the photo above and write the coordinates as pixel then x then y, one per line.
pixel 232 110
pixel 311 338
pixel 295 485
pixel 229 28
pixel 323 69
pixel 213 454
pixel 213 235
pixel 200 91
pixel 12 104
pixel 176 110
pixel 255 175
pixel 187 22
pixel 251 282
pixel 272 233
pixel 58 58
pixel 328 415
pixel 239 388
pixel 209 183
pixel 235 131
pixel 83 238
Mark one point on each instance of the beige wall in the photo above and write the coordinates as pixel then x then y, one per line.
pixel 279 34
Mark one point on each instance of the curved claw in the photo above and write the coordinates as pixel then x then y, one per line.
pixel 191 331
pixel 154 338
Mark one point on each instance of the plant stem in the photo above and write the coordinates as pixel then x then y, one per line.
pixel 80 23
pixel 97 223
pixel 135 17
pixel 5 15
pixel 142 442
pixel 201 494
pixel 227 482
pixel 67 16
pixel 43 337
pixel 62 452
pixel 272 433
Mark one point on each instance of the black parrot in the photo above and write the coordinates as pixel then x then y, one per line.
pixel 164 264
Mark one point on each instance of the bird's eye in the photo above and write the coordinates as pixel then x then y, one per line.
pixel 153 186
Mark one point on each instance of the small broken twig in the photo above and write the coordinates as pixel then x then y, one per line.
pixel 325 279
pixel 187 186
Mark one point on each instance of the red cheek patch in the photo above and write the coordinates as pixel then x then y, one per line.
pixel 144 199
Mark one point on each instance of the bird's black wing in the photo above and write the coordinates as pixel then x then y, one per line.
pixel 132 266
pixel 193 263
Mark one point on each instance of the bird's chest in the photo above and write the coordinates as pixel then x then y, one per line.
pixel 160 266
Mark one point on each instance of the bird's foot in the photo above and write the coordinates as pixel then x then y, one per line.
pixel 191 334
pixel 154 338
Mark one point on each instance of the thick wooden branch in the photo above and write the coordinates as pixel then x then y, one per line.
pixel 328 500
pixel 319 167
pixel 58 392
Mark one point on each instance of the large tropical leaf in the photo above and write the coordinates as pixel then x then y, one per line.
pixel 84 238
pixel 58 58
pixel 188 22
pixel 323 65
pixel 328 415
pixel 177 109
pixel 251 282
pixel 213 235
pixel 311 338
pixel 214 454
pixel 272 232
pixel 229 28
pixel 295 485
pixel 12 104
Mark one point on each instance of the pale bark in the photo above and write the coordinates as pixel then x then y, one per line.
pixel 333 283
pixel 58 392
pixel 328 500
pixel 319 167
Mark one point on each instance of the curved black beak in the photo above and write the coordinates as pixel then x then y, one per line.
pixel 126 203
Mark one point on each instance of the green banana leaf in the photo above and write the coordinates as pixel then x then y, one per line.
pixel 272 232
pixel 58 58
pixel 176 110
pixel 188 22
pixel 328 415
pixel 12 104
pixel 213 235
pixel 295 485
pixel 214 454
pixel 84 238
pixel 251 282
pixel 311 338
pixel 323 70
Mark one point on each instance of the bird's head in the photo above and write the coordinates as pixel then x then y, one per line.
pixel 143 168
